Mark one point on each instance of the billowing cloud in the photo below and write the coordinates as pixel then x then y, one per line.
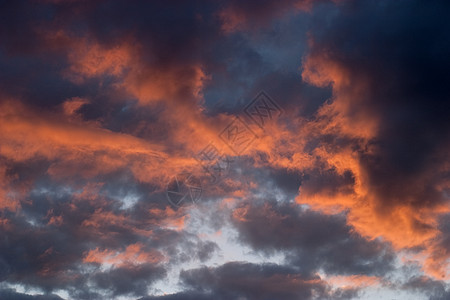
pixel 388 110
pixel 341 193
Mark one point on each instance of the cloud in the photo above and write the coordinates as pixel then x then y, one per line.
pixel 103 103
pixel 390 106
pixel 311 241
pixel 241 15
pixel 10 294
pixel 239 280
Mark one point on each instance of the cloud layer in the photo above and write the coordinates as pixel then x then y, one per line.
pixel 341 193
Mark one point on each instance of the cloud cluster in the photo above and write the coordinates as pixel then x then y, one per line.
pixel 103 103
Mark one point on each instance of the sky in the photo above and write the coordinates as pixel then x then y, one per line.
pixel 226 150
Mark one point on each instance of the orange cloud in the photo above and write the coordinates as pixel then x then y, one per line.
pixel 76 147
pixel 178 86
pixel 131 256
pixel 71 106
pixel 236 16
pixel 340 115
pixel 89 59
pixel 148 82
pixel 353 281
pixel 168 217
pixel 437 263
pixel 180 83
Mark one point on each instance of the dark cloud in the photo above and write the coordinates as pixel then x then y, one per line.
pixel 47 244
pixel 248 15
pixel 12 295
pixel 328 182
pixel 237 280
pixel 433 289
pixel 401 63
pixel 387 124
pixel 311 240
pixel 134 281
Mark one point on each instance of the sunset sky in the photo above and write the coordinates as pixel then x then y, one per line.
pixel 225 150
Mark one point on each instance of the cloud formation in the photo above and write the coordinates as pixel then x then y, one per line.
pixel 343 195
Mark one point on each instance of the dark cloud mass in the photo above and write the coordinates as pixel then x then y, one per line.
pixel 312 240
pixel 109 109
pixel 239 280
